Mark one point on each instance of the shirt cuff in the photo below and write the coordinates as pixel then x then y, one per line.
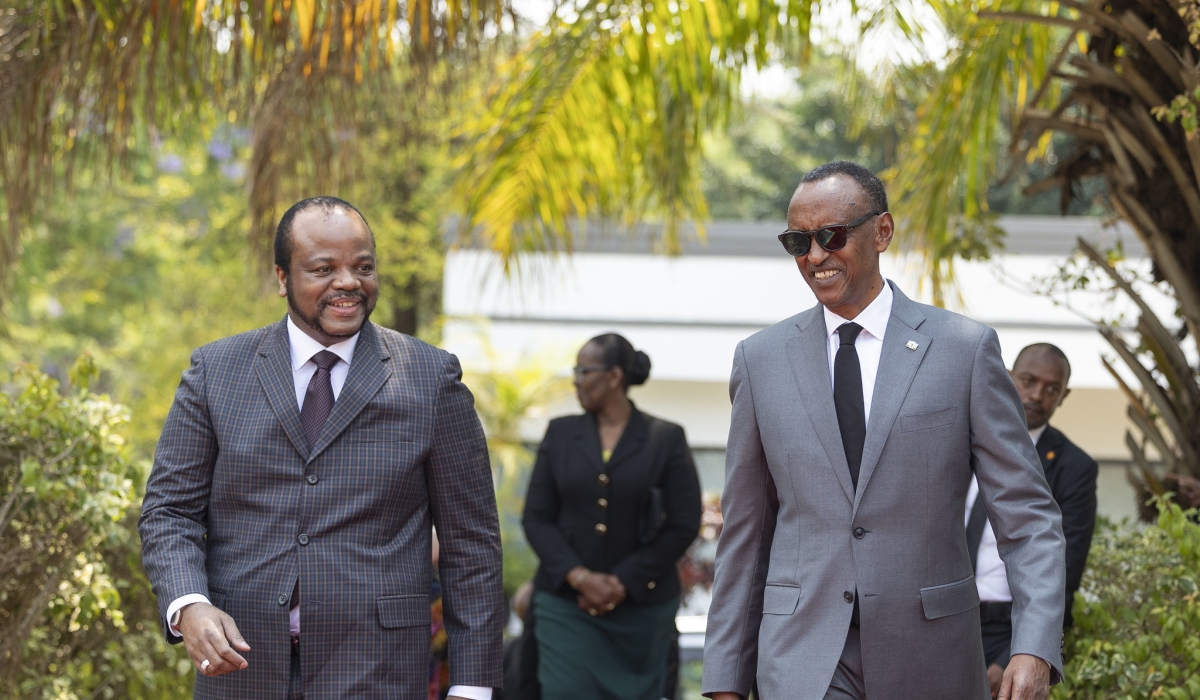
pixel 470 692
pixel 179 604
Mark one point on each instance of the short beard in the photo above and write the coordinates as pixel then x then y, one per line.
pixel 314 321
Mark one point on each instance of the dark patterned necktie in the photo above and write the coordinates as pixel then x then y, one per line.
pixel 848 398
pixel 318 400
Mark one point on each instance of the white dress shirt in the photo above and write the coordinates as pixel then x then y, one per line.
pixel 991 578
pixel 868 345
pixel 303 348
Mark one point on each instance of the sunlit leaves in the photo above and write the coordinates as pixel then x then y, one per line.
pixel 945 165
pixel 602 116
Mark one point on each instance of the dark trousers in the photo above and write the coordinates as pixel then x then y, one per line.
pixel 995 620
pixel 295 681
pixel 847 682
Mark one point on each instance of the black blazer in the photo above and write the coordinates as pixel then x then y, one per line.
pixel 1071 474
pixel 582 511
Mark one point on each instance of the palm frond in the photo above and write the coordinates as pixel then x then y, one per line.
pixel 103 77
pixel 603 116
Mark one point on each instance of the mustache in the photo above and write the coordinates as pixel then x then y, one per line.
pixel 357 296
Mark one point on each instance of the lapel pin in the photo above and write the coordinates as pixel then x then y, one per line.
pixel 911 345
pixel 1050 454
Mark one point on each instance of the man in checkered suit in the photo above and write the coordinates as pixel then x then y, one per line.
pixel 287 521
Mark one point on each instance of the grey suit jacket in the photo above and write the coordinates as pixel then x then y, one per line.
pixel 238 507
pixel 798 541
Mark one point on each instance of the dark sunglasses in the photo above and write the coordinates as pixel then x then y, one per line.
pixel 831 238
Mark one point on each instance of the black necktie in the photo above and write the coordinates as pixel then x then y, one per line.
pixel 318 400
pixel 975 525
pixel 848 398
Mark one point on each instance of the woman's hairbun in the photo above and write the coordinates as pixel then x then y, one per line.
pixel 618 352
pixel 639 371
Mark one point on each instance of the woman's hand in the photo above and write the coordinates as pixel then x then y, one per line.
pixel 598 593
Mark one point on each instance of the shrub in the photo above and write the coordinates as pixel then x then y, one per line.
pixel 77 619
pixel 1137 613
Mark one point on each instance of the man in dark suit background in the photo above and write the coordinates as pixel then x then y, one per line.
pixel 1041 373
pixel 295 486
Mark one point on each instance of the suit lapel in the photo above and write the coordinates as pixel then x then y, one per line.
pixel 808 355
pixel 632 439
pixel 587 441
pixel 274 369
pixel 368 372
pixel 898 363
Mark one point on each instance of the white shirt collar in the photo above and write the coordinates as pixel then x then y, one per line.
pixel 873 319
pixel 1036 433
pixel 304 347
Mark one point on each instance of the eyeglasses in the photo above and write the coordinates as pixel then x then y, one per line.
pixel 581 372
pixel 831 238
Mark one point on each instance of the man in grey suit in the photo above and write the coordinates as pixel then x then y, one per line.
pixel 842 571
pixel 295 486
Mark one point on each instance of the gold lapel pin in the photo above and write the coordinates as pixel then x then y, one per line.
pixel 911 345
pixel 1050 454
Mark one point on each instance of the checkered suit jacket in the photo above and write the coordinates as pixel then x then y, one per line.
pixel 234 486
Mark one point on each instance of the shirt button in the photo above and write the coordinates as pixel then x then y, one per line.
pixel 282 600
pixel 603 502
pixel 302 539
pixel 313 478
pixel 848 596
pixel 601 528
pixel 859 532
pixel 603 478
pixel 651 585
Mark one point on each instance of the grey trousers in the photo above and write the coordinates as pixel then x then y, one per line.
pixel 847 682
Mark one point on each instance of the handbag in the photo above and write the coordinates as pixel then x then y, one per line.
pixel 653 515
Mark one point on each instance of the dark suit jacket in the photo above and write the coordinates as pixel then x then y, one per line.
pixel 563 513
pixel 1071 474
pixel 238 508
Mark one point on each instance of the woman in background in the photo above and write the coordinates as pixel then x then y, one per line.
pixel 613 503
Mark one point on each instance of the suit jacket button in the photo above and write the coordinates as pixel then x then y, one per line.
pixel 859 532
pixel 601 528
pixel 603 502
pixel 282 600
pixel 651 585
pixel 603 479
pixel 313 478
pixel 848 596
pixel 302 539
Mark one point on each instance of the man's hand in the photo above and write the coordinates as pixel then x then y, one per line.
pixel 211 635
pixel 1026 678
pixel 995 676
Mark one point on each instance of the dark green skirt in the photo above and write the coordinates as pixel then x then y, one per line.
pixel 618 656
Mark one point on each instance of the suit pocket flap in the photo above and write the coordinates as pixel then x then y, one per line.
pixel 780 600
pixel 926 421
pixel 403 610
pixel 950 598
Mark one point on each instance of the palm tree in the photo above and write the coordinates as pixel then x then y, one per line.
pixel 1119 82
pixel 99 78
pixel 1132 85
